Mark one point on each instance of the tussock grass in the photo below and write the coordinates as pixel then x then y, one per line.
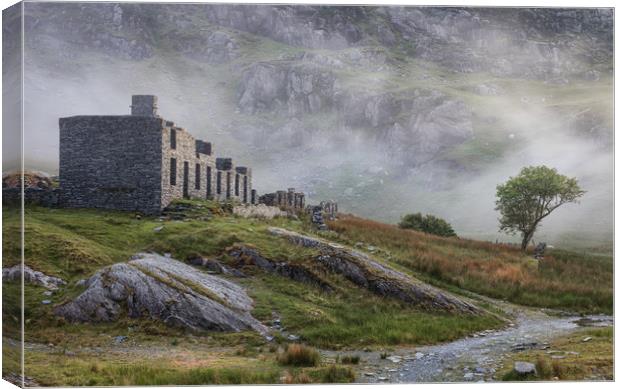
pixel 350 359
pixel 299 355
pixel 299 378
pixel 563 279
pixel 333 374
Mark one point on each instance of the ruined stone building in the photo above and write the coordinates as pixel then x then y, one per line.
pixel 141 162
pixel 284 199
pixel 329 208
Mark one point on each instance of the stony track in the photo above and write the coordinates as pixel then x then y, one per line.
pixel 475 358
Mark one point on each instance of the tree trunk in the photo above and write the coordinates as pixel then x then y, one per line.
pixel 527 236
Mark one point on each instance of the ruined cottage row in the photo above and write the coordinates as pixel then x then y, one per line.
pixel 141 162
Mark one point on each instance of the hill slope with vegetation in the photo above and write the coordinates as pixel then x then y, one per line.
pixel 331 312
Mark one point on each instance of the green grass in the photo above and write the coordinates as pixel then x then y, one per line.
pixel 90 370
pixel 333 374
pixel 352 317
pixel 350 359
pixel 73 244
pixel 11 356
pixel 582 360
pixel 182 366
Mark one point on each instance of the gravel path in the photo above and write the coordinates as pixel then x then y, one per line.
pixel 475 358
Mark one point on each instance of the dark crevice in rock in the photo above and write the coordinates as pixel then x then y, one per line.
pixel 244 256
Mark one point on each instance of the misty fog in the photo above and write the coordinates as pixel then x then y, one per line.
pixel 566 125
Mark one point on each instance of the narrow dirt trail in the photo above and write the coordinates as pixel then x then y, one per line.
pixel 474 358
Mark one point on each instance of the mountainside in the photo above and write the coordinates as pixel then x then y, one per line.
pixel 387 109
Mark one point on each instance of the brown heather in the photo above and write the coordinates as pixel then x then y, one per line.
pixel 563 279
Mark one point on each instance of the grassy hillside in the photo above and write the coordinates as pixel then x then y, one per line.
pixel 563 279
pixel 73 244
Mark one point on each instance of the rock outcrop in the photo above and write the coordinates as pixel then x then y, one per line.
pixel 164 289
pixel 31 276
pixel 307 26
pixel 217 47
pixel 215 266
pixel 292 88
pixel 119 30
pixel 507 42
pixel 415 126
pixel 365 272
pixel 245 255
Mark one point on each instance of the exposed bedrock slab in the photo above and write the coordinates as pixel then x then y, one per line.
pixel 158 287
pixel 365 272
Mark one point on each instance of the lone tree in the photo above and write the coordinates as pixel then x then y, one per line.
pixel 429 224
pixel 531 196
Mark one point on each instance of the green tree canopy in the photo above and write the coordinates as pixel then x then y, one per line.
pixel 429 224
pixel 526 199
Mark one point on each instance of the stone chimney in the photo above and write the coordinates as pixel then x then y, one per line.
pixel 144 105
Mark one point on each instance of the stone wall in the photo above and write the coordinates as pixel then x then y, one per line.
pixel 195 168
pixel 329 208
pixel 225 175
pixel 244 184
pixel 112 162
pixel 285 199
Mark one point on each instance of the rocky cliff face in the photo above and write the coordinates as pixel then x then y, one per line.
pixel 292 89
pixel 456 37
pixel 121 30
pixel 307 26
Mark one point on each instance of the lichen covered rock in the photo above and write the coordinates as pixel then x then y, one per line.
pixel 162 288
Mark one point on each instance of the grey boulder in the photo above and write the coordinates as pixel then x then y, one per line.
pixel 31 276
pixel 524 368
pixel 162 288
